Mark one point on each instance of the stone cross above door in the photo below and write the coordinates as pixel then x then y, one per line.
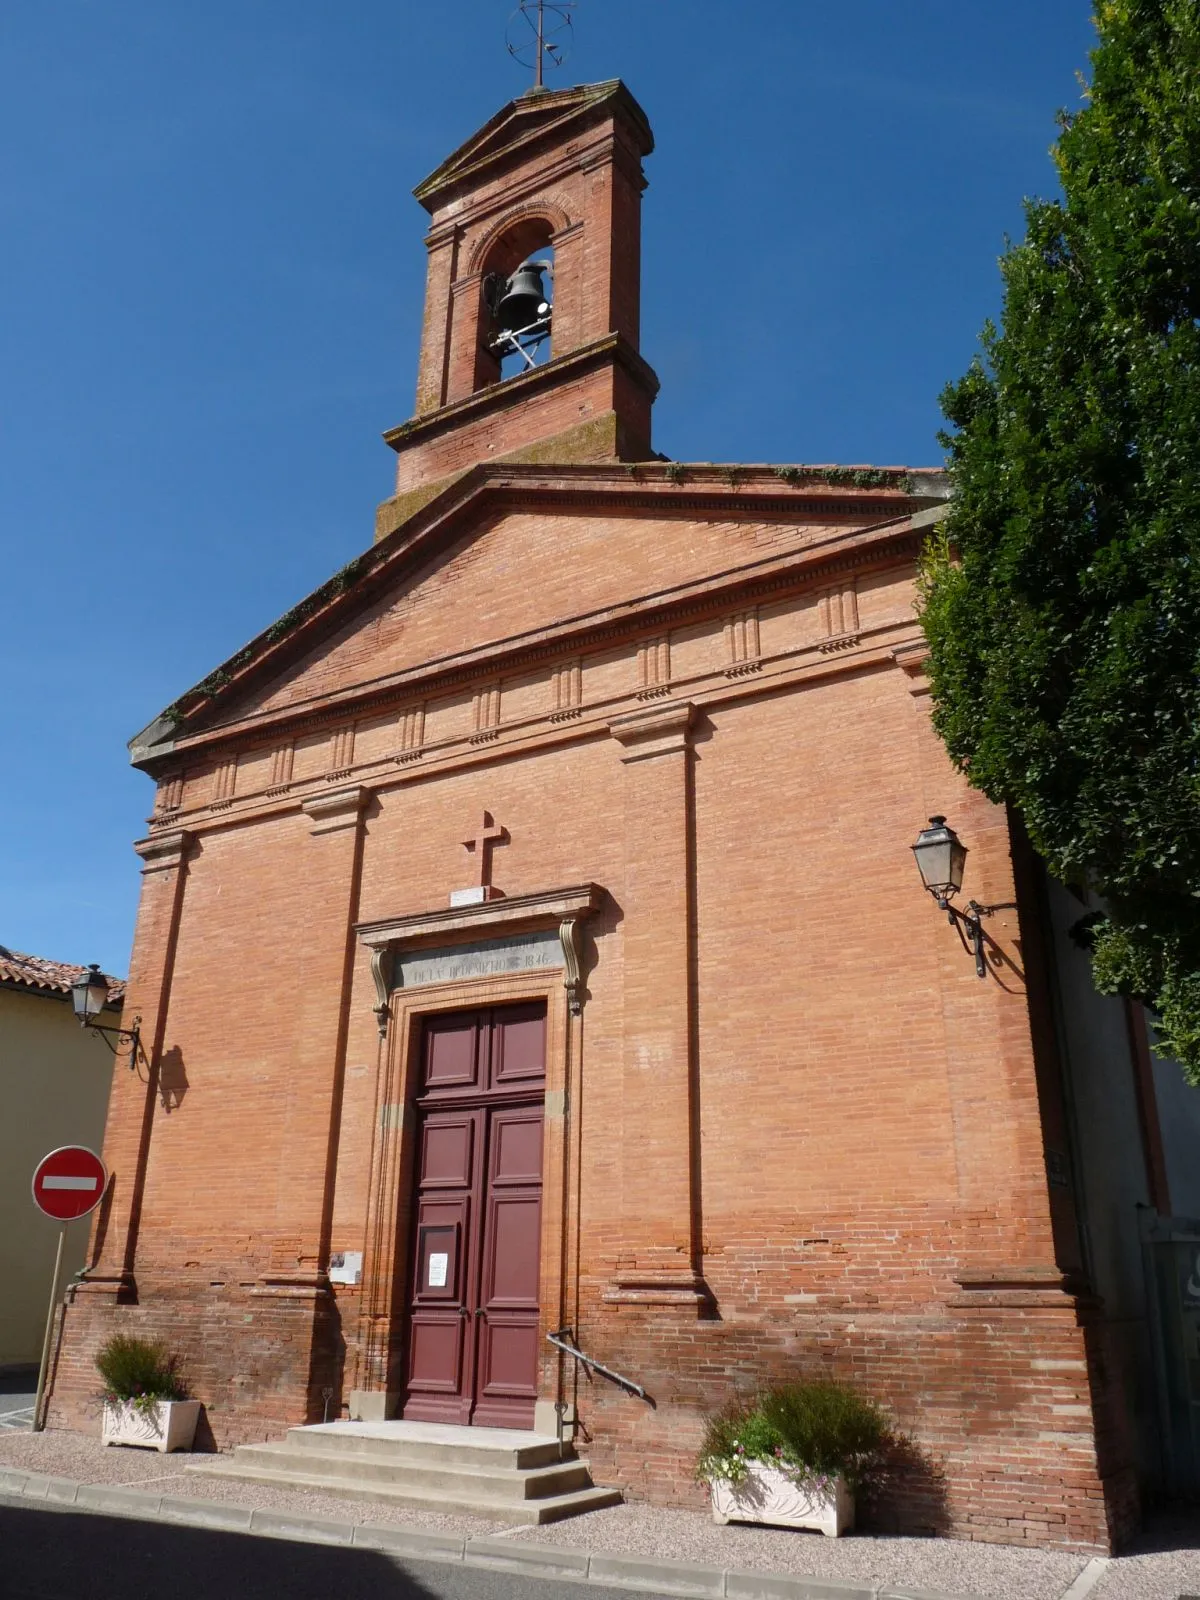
pixel 480 845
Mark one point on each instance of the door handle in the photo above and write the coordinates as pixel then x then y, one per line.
pixel 480 1311
pixel 463 1312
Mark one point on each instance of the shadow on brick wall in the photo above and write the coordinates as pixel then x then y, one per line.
pixel 204 1442
pixel 907 1496
pixel 327 1365
pixel 172 1079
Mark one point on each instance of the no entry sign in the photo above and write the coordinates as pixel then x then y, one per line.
pixel 69 1182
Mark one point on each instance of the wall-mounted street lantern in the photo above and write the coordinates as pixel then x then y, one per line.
pixel 89 996
pixel 941 856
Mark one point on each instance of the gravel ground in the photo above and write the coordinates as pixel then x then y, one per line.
pixel 1164 1566
pixel 999 1572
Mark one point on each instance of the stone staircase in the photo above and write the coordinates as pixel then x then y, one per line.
pixel 424 1466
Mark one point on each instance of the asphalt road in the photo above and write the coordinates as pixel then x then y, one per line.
pixel 48 1553
pixel 16 1398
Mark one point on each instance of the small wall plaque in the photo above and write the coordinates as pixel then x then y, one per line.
pixel 345 1266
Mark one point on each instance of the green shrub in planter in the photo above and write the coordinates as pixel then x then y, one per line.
pixel 811 1431
pixel 141 1371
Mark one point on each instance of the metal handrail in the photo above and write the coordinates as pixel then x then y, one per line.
pixel 559 1341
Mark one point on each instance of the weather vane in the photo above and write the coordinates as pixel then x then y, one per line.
pixel 540 31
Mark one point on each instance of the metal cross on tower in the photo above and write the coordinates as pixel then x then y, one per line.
pixel 540 31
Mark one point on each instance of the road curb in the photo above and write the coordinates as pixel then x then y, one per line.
pixel 534 1560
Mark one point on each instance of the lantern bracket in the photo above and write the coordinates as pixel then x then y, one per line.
pixel 133 1036
pixel 968 925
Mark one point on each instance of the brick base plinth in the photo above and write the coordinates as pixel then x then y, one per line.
pixel 1001 1416
pixel 258 1358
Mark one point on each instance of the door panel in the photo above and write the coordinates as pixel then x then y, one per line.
pixel 451 1053
pixel 516 1147
pixel 507 1376
pixel 474 1278
pixel 518 1045
pixel 447 1152
pixel 436 1362
pixel 508 1358
pixel 514 1235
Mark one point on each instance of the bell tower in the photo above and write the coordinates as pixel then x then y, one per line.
pixel 554 172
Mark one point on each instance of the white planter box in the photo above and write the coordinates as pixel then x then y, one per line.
pixel 767 1495
pixel 171 1425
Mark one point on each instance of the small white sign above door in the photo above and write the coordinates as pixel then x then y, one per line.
pixel 439 1264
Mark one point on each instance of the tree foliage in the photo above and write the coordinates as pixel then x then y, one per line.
pixel 1062 600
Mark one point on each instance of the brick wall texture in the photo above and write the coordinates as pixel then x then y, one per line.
pixel 792 1087
pixel 790 1133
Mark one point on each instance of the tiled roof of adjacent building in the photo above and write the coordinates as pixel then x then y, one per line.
pixel 49 977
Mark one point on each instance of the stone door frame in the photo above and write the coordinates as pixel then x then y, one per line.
pixel 401 1012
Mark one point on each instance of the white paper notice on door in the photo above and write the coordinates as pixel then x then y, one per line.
pixel 438 1267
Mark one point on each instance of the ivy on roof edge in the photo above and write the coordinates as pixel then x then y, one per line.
pixel 853 477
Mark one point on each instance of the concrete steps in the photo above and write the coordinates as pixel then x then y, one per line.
pixel 489 1472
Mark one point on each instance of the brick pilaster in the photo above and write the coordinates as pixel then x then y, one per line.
pixel 658 1189
pixel 112 1257
pixel 311 1110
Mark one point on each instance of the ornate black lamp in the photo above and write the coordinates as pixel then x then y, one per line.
pixel 941 856
pixel 89 996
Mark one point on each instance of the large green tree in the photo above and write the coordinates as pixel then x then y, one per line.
pixel 1062 604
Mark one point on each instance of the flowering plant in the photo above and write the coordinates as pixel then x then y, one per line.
pixel 812 1432
pixel 138 1372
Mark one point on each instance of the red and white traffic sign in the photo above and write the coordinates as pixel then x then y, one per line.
pixel 69 1182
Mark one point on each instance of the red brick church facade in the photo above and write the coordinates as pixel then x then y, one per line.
pixel 691 1065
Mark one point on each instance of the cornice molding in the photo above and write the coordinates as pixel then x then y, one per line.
pixel 797 669
pixel 163 852
pixel 563 909
pixel 542 909
pixel 659 730
pixel 518 391
pixel 912 658
pixel 339 809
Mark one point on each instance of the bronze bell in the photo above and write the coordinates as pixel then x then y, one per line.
pixel 522 303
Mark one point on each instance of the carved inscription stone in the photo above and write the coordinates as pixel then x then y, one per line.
pixel 524 952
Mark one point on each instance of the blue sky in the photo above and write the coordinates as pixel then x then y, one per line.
pixel 212 273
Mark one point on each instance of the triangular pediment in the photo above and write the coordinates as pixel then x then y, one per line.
pixel 528 121
pixel 510 562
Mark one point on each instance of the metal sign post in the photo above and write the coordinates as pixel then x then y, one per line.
pixel 68 1183
pixel 39 1422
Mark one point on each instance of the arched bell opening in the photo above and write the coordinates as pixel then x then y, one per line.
pixel 516 316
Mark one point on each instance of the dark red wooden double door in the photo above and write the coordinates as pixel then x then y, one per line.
pixel 473 1290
